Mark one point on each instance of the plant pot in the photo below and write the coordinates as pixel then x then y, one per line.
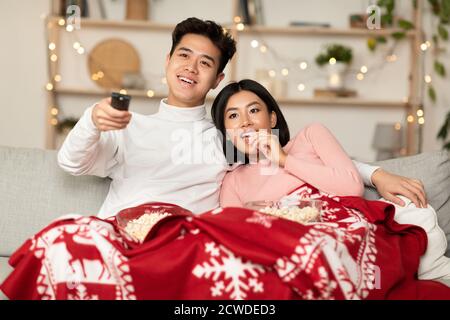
pixel 336 75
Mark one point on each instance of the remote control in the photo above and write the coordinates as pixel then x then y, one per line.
pixel 120 101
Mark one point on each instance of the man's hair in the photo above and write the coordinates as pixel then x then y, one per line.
pixel 219 105
pixel 214 32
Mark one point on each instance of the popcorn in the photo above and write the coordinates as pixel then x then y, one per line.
pixel 139 228
pixel 294 213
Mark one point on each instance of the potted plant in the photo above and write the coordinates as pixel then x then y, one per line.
pixel 336 58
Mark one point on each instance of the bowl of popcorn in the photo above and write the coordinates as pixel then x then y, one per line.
pixel 302 211
pixel 138 223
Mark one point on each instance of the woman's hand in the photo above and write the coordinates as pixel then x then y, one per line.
pixel 270 146
pixel 389 185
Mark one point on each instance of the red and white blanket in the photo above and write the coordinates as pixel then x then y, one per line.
pixel 357 251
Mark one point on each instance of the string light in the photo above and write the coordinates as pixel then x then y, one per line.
pixel 94 77
pixel 100 74
pixel 80 50
pixel 49 87
pixel 428 43
pixel 421 120
pixel 427 78
pixel 391 58
pixel 420 113
pixel 76 45
pixel 364 69
pixel 61 22
pixel 332 61
pixel 237 19
pixel 54 111
pixel 54 57
pixel 397 126
pixel 284 72
pixel 254 43
pixel 360 76
pixel 423 47
pixel 303 65
pixel 263 48
pixel 301 87
pixel 272 74
pixel 69 28
pixel 54 121
pixel 52 46
pixel 150 93
pixel 410 118
pixel 123 91
pixel 240 26
pixel 57 78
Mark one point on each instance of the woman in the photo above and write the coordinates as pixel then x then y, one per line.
pixel 252 122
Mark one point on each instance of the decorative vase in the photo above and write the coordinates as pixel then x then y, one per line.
pixel 336 75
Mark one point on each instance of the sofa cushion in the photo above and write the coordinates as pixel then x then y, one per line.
pixel 433 169
pixel 34 191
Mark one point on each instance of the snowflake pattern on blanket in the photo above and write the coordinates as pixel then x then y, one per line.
pixel 356 251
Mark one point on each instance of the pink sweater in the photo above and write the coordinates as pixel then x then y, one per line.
pixel 314 156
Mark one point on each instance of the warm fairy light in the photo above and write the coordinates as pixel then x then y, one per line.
pixel 272 73
pixel 423 47
pixel 303 65
pixel 360 76
pixel 80 50
pixel 284 72
pixel 364 69
pixel 61 22
pixel 427 78
pixel 49 87
pixel 240 26
pixel 69 28
pixel 54 111
pixel 254 43
pixel 54 57
pixel 391 58
pixel 237 19
pixel 428 43
pixel 421 120
pixel 263 48
pixel 420 113
pixel 52 46
pixel 150 93
pixel 94 77
pixel 57 78
pixel 76 45
pixel 332 61
pixel 410 118
pixel 100 74
pixel 123 91
pixel 397 126
pixel 54 121
pixel 301 87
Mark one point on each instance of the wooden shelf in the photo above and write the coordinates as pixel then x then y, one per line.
pixel 317 31
pixel 281 101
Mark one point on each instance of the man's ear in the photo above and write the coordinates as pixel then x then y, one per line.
pixel 219 78
pixel 273 119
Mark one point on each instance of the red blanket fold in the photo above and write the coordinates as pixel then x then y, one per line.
pixel 357 251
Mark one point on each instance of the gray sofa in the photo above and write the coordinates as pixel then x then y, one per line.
pixel 34 191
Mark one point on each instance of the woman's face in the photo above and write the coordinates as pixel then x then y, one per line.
pixel 246 115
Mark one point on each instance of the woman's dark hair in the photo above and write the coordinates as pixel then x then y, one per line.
pixel 214 32
pixel 218 115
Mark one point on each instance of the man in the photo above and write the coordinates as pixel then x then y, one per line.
pixel 175 155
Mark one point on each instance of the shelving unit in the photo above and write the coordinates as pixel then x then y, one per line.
pixel 415 37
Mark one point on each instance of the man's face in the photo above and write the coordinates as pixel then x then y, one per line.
pixel 191 71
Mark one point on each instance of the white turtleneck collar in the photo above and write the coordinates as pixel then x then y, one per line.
pixel 177 114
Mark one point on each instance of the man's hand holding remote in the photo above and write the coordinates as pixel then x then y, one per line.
pixel 106 118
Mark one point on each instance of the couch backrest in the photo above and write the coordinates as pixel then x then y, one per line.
pixel 34 191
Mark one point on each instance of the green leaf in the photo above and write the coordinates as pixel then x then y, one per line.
pixel 432 93
pixel 381 39
pixel 445 11
pixel 446 146
pixel 398 35
pixel 443 33
pixel 435 39
pixel 443 131
pixel 405 24
pixel 372 44
pixel 439 68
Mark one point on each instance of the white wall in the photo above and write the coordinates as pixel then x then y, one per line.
pixel 23 118
pixel 23 73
